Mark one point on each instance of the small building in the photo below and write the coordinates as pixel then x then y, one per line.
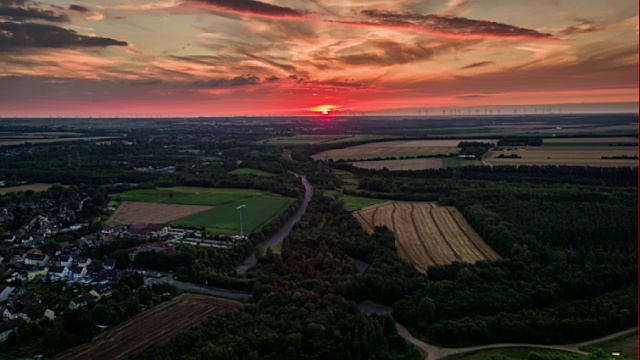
pixel 101 291
pixel 62 260
pixel 109 264
pixel 6 292
pixel 36 259
pixel 80 301
pixel 36 272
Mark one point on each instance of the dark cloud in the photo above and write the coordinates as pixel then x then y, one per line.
pixel 251 7
pixel 445 25
pixel 30 35
pixel 579 29
pixel 21 14
pixel 242 80
pixel 471 96
pixel 7 3
pixel 477 65
pixel 79 8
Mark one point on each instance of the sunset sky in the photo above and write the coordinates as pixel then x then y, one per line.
pixel 285 57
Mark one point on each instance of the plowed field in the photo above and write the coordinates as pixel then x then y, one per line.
pixel 131 212
pixel 150 328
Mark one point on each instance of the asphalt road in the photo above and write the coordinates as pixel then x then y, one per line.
pixel 200 289
pixel 432 352
pixel 284 230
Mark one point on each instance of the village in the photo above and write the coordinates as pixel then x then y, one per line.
pixel 54 255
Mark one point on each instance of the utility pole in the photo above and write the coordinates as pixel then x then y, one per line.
pixel 241 222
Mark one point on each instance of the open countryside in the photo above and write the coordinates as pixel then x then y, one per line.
pixel 565 156
pixel 395 149
pixel 30 187
pixel 186 195
pixel 428 234
pixel 150 328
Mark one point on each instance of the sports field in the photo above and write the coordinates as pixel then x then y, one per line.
pixel 261 207
pixel 225 219
pixel 131 212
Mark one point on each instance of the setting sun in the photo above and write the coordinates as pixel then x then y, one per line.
pixel 325 109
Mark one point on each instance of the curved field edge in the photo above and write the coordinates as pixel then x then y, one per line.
pixel 151 327
pixel 257 213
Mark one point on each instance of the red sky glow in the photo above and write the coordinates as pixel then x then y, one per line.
pixel 281 57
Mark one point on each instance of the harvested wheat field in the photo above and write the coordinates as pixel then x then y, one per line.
pixel 30 187
pixel 566 156
pixel 428 234
pixel 405 164
pixel 132 212
pixel 150 328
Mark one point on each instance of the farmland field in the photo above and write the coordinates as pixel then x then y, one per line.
pixel 150 328
pixel 320 139
pixel 394 149
pixel 600 141
pixel 130 212
pixel 566 155
pixel 189 195
pixel 428 234
pixel 32 140
pixel 30 187
pixel 225 219
pixel 407 164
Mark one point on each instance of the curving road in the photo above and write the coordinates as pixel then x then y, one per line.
pixel 432 352
pixel 284 230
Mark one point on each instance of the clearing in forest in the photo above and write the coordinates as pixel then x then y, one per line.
pixel 150 328
pixel 131 212
pixel 428 234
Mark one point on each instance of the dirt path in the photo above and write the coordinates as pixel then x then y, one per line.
pixel 432 352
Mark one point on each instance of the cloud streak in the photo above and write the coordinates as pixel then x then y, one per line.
pixel 250 7
pixel 30 35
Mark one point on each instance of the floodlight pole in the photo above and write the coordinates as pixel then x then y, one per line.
pixel 241 222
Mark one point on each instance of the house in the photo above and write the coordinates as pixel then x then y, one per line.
pixel 62 260
pixel 58 272
pixel 101 291
pixel 7 327
pixel 76 272
pixel 6 292
pixel 36 271
pixel 50 314
pixel 14 311
pixel 109 264
pixel 82 261
pixel 80 301
pixel 36 259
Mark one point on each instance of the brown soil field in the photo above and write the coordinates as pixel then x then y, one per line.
pixel 407 164
pixel 32 187
pixel 132 212
pixel 566 155
pixel 396 148
pixel 150 328
pixel 604 140
pixel 428 234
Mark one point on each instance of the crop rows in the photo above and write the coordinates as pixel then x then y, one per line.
pixel 428 234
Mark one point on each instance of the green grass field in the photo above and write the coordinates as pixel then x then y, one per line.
pixel 259 211
pixel 516 354
pixel 353 202
pixel 450 162
pixel 250 171
pixel 184 195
